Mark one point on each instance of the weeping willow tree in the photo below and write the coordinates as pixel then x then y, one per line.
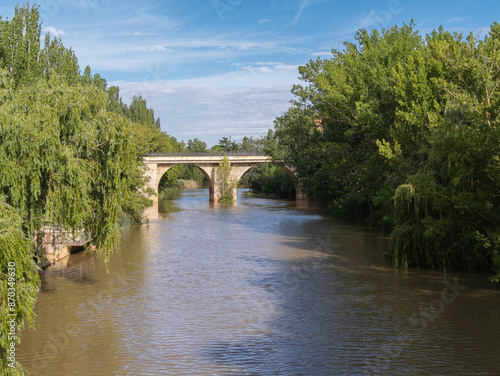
pixel 429 235
pixel 409 245
pixel 19 284
pixel 68 158
pixel 446 214
pixel 64 159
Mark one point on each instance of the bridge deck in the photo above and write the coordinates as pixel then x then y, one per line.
pixel 201 158
pixel 208 153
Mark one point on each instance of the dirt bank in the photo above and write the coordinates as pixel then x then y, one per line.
pixel 189 184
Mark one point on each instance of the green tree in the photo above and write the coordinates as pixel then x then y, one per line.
pixel 19 277
pixel 115 103
pixel 20 45
pixel 216 149
pixel 224 180
pixel 226 145
pixel 64 159
pixel 352 97
pixel 57 59
pixel 446 210
pixel 148 135
pixel 250 144
pixel 139 112
pixel 196 146
pixel 269 179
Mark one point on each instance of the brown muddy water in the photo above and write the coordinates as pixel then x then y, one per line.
pixel 264 287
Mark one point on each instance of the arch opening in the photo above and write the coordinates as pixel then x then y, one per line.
pixel 181 176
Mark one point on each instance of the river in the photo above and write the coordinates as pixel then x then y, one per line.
pixel 264 287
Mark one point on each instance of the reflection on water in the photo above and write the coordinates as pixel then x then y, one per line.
pixel 259 288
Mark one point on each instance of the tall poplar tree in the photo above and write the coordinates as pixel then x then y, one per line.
pixel 20 45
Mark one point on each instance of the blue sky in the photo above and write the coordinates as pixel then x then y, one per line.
pixel 220 68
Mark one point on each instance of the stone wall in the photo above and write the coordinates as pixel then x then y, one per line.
pixel 57 243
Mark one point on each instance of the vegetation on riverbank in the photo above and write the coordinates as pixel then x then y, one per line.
pixel 404 130
pixel 18 288
pixel 270 180
pixel 70 156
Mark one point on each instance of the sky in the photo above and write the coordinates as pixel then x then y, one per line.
pixel 225 68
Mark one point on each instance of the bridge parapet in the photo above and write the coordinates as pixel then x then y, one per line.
pixel 209 153
pixel 206 160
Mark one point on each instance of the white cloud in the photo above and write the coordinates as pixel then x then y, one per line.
pixel 247 46
pixel 456 19
pixel 368 20
pixel 135 54
pixel 88 3
pixel 240 103
pixel 144 34
pixel 264 67
pixel 53 31
pixel 303 5
pixel 321 54
pixel 158 48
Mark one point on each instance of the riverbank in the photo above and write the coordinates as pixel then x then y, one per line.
pixel 189 184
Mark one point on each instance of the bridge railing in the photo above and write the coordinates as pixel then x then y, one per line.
pixel 207 154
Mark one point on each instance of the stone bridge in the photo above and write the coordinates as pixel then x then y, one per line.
pixel 159 163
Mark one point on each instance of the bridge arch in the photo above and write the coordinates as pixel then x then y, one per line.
pixel 165 168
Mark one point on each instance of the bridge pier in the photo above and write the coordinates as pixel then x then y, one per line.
pixel 299 193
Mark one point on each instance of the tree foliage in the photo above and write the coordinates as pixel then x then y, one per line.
pixel 447 212
pixel 226 145
pixel 59 60
pixel 330 133
pixel 15 262
pixel 269 179
pixel 403 129
pixel 196 146
pixel 148 135
pixel 64 159
pixel 20 46
pixel 224 180
pixel 70 156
